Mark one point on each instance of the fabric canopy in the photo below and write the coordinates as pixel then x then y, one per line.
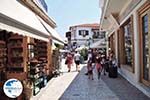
pixel 55 36
pixel 99 44
pixel 23 22
pixel 81 47
pixel 57 42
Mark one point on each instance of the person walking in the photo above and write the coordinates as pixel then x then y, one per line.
pixel 103 63
pixel 89 57
pixel 107 64
pixel 69 61
pixel 90 69
pixel 98 65
pixel 112 66
pixel 77 60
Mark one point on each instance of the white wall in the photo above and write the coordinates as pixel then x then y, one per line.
pixel 136 45
pixel 83 28
pixel 83 40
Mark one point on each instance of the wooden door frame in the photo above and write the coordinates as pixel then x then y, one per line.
pixel 141 12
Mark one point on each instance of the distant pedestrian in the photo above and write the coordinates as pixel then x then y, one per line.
pixel 90 69
pixel 89 57
pixel 112 60
pixel 113 66
pixel 69 61
pixel 107 64
pixel 77 61
pixel 103 63
pixel 94 54
pixel 98 65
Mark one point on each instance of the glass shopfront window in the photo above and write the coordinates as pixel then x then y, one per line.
pixel 145 47
pixel 128 42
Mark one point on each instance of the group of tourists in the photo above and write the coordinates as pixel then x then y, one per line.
pixel 96 60
pixel 99 61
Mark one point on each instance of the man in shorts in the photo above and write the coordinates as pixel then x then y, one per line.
pixel 77 61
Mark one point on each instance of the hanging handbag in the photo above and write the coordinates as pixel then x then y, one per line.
pixel 66 61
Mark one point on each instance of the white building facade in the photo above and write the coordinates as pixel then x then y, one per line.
pixel 84 34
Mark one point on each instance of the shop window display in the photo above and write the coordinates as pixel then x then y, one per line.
pixel 128 42
pixel 144 27
pixel 145 47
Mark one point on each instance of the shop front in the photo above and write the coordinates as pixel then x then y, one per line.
pixel 25 48
pixel 57 44
pixel 130 39
pixel 144 37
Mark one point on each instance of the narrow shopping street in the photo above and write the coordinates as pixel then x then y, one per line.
pixel 58 49
pixel 77 86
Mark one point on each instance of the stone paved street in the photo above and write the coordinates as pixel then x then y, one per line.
pixel 84 89
pixel 104 89
pixel 77 86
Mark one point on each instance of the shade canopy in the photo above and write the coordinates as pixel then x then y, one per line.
pixel 99 44
pixel 54 34
pixel 23 22
pixel 81 47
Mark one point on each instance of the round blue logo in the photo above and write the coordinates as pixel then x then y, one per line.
pixel 12 88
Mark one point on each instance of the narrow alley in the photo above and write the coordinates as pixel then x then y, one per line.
pixel 77 86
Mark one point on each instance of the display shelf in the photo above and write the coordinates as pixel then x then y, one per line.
pixel 15 36
pixel 15 69
pixel 1 84
pixel 17 55
pixel 2 54
pixel 2 75
pixel 2 43
pixel 37 60
pixel 17 47
pixel 16 75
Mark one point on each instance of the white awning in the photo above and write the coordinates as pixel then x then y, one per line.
pixel 21 32
pixel 53 32
pixel 57 42
pixel 19 19
pixel 99 44
pixel 53 46
pixel 81 47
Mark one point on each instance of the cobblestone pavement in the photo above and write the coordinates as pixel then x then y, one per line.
pixel 77 86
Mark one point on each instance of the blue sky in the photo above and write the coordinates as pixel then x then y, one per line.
pixel 72 12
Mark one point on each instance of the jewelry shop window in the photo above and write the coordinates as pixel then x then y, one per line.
pixel 127 29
